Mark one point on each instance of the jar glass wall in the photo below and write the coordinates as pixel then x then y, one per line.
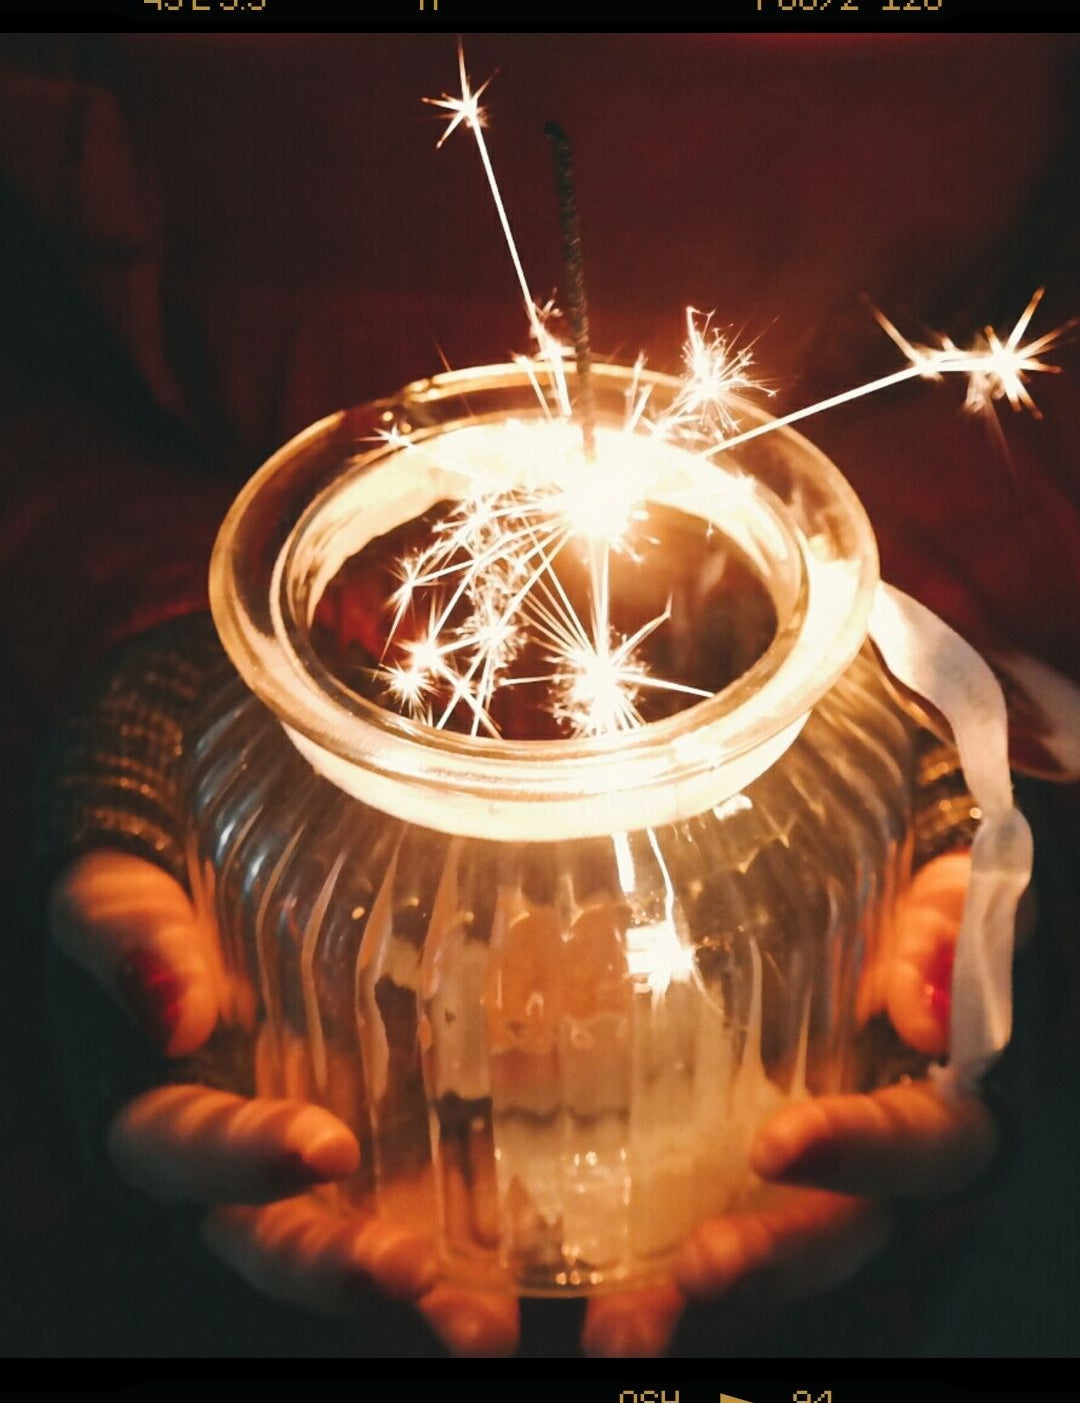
pixel 553 985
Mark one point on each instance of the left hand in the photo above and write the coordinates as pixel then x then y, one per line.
pixel 250 1162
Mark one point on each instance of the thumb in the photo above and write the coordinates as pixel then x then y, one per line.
pixel 132 927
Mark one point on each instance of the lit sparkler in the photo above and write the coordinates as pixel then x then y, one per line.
pixel 715 371
pixel 466 110
pixel 487 580
pixel 995 370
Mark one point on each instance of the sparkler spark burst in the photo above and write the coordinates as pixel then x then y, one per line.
pixel 715 371
pixel 486 583
pixel 488 579
pixel 995 368
pixel 463 108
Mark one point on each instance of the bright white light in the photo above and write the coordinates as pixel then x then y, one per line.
pixel 658 956
pixel 488 578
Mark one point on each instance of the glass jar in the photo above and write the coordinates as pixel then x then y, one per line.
pixel 553 986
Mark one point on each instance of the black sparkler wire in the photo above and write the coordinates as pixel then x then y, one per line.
pixel 577 306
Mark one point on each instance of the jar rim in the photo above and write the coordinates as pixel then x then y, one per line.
pixel 660 772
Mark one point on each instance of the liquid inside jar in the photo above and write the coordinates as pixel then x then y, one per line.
pixel 688 614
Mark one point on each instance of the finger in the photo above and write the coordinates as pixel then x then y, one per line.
pixel 471 1323
pixel 918 977
pixel 632 1324
pixel 132 927
pixel 800 1248
pixel 300 1252
pixel 903 1141
pixel 192 1143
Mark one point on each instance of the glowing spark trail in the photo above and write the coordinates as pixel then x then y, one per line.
pixel 994 371
pixel 491 633
pixel 486 583
pixel 467 109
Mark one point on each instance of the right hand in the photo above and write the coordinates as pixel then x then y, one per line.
pixel 249 1161
pixel 862 1174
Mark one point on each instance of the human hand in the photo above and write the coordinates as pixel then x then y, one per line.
pixel 843 1165
pixel 250 1162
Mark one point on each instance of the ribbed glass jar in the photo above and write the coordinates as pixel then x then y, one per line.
pixel 553 986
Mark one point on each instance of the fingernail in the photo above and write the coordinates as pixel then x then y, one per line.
pixel 708 1262
pixel 940 1002
pixel 617 1338
pixel 151 992
pixel 465 1330
pixel 938 988
pixel 406 1266
pixel 464 1333
pixel 332 1154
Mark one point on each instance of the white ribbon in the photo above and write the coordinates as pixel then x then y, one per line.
pixel 925 655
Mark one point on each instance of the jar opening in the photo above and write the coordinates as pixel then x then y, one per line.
pixel 779 517
pixel 565 606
